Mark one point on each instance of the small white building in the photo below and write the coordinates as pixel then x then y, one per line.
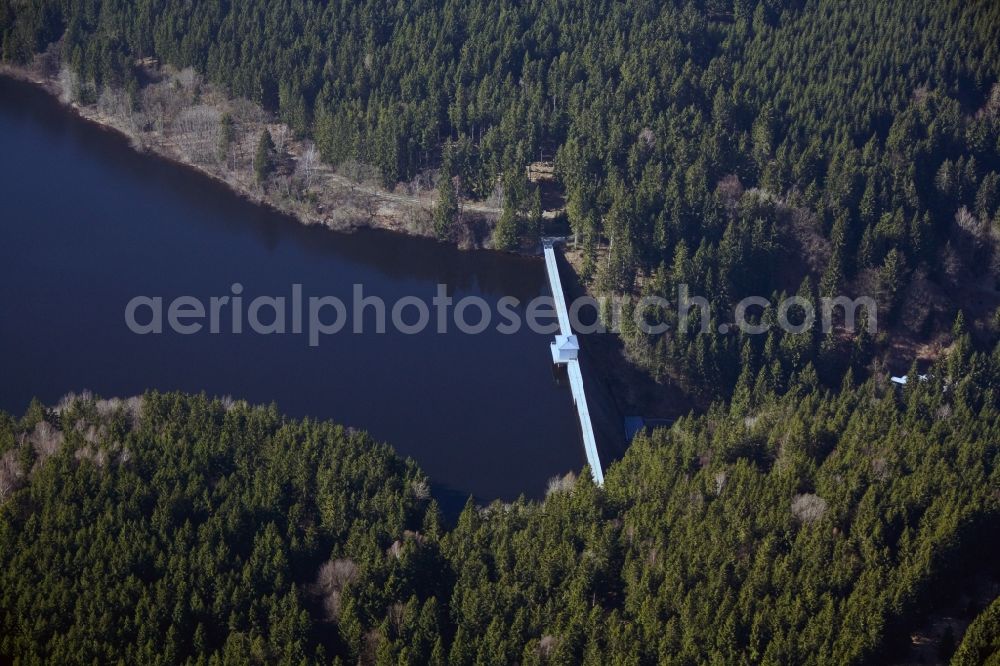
pixel 903 380
pixel 565 348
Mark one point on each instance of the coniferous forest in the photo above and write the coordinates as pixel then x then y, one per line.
pixel 811 148
pixel 809 511
pixel 173 528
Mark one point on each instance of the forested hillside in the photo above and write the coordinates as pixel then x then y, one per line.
pixel 812 530
pixel 982 640
pixel 168 527
pixel 740 147
pixel 810 515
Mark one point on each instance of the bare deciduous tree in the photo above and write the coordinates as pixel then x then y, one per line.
pixel 117 105
pixel 332 578
pixel 547 645
pixel 720 481
pixel 421 489
pixel 561 484
pixel 46 440
pixel 730 190
pixel 808 508
pixel 196 133
pixel 69 85
pixel 11 474
pixel 369 204
pixel 308 165
pixel 187 80
pixel 279 133
pixel 162 102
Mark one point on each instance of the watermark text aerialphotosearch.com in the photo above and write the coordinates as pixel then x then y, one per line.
pixel 319 316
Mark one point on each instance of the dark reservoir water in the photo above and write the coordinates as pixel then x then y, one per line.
pixel 86 224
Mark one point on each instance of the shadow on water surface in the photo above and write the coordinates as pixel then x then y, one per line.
pixel 89 224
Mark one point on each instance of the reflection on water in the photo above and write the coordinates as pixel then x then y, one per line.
pixel 88 224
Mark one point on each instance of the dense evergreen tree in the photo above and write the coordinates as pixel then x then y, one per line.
pixel 809 527
pixel 263 160
pixel 702 125
pixel 169 528
pixel 227 134
pixel 446 209
pixel 726 148
pixel 505 231
pixel 981 644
